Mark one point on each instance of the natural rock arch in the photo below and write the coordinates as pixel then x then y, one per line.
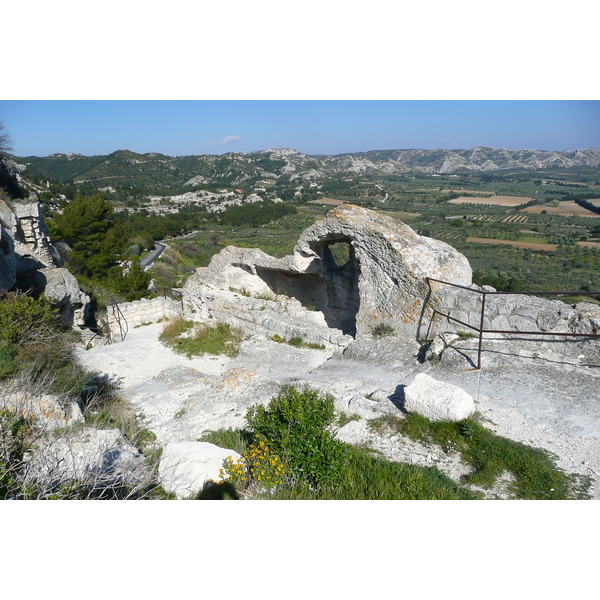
pixel 357 267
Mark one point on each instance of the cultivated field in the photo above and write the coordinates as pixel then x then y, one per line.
pixel 328 201
pixel 402 216
pixel 530 245
pixel 484 194
pixel 492 200
pixel 567 208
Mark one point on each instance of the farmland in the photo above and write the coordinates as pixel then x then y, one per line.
pixel 530 245
pixel 539 250
pixel 510 201
pixel 566 209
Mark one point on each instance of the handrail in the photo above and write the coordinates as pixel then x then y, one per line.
pixel 119 313
pixel 481 330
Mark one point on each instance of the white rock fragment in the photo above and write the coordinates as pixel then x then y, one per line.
pixel 437 400
pixel 186 466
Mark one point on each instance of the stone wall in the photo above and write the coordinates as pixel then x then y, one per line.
pixel 281 316
pixel 140 312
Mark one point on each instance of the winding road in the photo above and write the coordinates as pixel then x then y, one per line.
pixel 147 261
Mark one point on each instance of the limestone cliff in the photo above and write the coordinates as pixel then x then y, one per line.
pixel 28 260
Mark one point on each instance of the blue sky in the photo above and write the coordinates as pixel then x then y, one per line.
pixel 183 127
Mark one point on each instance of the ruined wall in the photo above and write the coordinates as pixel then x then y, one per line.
pixel 266 316
pixel 140 312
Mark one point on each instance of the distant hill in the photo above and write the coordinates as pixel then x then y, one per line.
pixel 126 168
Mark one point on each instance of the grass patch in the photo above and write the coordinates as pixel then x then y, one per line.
pixel 371 477
pixel 217 339
pixel 345 418
pixel 382 330
pixel 465 335
pixel 298 342
pixel 230 439
pixel 536 476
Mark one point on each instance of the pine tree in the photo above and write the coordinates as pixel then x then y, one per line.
pixel 88 226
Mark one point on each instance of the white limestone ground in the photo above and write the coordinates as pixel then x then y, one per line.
pixel 550 404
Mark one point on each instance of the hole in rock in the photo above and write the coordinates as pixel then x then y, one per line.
pixel 333 289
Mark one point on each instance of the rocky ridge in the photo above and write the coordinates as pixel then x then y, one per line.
pixel 234 168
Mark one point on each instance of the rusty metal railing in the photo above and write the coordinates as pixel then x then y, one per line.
pixel 481 330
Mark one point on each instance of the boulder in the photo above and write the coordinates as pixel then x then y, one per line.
pixel 95 457
pixel 48 411
pixel 63 291
pixel 437 400
pixel 186 466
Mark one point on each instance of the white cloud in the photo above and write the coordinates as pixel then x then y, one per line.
pixel 229 139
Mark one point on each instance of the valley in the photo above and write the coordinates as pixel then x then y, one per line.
pixel 518 216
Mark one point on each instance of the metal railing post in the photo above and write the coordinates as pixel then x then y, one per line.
pixel 481 331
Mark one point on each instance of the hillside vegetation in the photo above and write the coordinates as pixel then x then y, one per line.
pixel 537 244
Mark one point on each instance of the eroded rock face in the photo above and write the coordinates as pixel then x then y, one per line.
pixel 29 261
pixel 384 277
pixel 356 267
pixel 63 290
pixel 8 271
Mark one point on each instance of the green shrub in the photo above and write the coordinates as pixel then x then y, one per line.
pixel 15 434
pixel 231 439
pixel 381 330
pixel 257 469
pixel 32 336
pixel 23 317
pixel 295 426
pixel 8 363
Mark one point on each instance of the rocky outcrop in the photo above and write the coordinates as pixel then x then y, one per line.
pixel 29 242
pixel 519 313
pixel 28 260
pixel 32 240
pixel 356 269
pixel 62 289
pixel 90 457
